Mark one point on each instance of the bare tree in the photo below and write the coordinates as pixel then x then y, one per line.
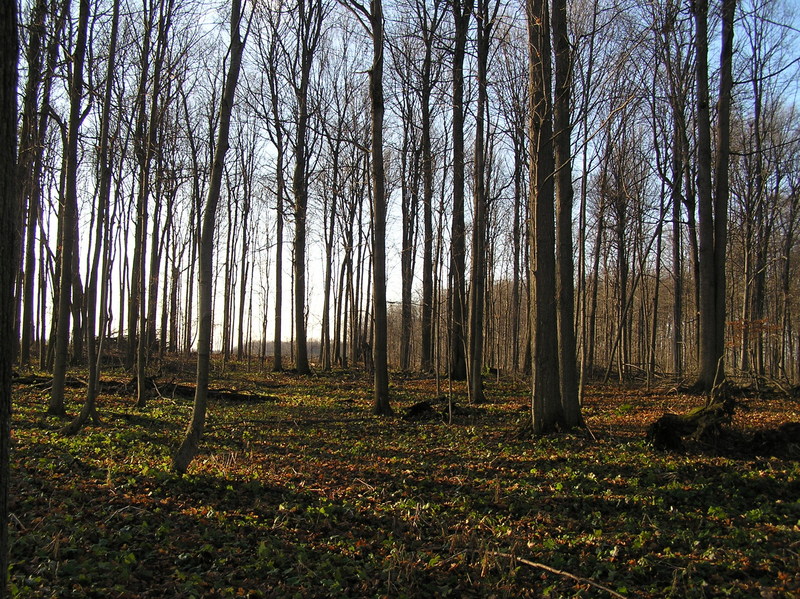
pixel 713 204
pixel 562 150
pixel 485 18
pixel 194 431
pixel 546 409
pixel 372 20
pixel 8 220
pixel 308 31
pixel 458 285
pixel 29 155
pixel 69 214
pixel 103 196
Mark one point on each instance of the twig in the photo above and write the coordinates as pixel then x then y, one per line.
pixel 552 570
pixel 155 386
pixel 365 483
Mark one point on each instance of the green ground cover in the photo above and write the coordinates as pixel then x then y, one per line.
pixel 302 493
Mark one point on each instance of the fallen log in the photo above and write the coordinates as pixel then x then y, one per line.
pixel 703 423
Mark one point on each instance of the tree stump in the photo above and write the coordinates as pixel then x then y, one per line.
pixel 700 424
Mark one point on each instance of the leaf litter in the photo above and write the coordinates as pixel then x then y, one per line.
pixel 310 496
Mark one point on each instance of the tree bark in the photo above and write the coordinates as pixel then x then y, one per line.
pixel 280 192
pixel 457 276
pixel 428 25
pixel 140 234
pixel 485 22
pixel 722 191
pixel 30 151
pixel 8 220
pixel 94 348
pixel 56 403
pixel 194 431
pixel 565 284
pixel 381 406
pixel 706 308
pixel 712 208
pixel 546 408
pixel 146 313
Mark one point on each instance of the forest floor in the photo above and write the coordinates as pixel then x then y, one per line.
pixel 300 492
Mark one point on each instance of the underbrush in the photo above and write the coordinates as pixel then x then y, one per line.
pixel 307 495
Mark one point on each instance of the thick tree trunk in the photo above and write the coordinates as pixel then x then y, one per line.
pixel 381 405
pixel 565 283
pixel 713 209
pixel 8 221
pixel 546 408
pixel 709 359
pixel 480 211
pixel 458 294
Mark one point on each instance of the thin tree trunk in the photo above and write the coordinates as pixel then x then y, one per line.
pixel 103 196
pixel 280 191
pixel 426 345
pixel 56 403
pixel 194 431
pixel 142 156
pixel 30 155
pixel 677 258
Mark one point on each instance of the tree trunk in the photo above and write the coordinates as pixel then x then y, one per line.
pixel 140 234
pixel 381 405
pixel 426 320
pixel 56 404
pixel 721 195
pixel 480 210
pixel 300 209
pixel 677 258
pixel 103 196
pixel 458 294
pixel 546 408
pixel 8 221
pixel 713 209
pixel 146 154
pixel 194 431
pixel 30 154
pixel 565 284
pixel 280 191
pixel 409 207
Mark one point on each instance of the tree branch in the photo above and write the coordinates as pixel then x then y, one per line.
pixel 552 570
